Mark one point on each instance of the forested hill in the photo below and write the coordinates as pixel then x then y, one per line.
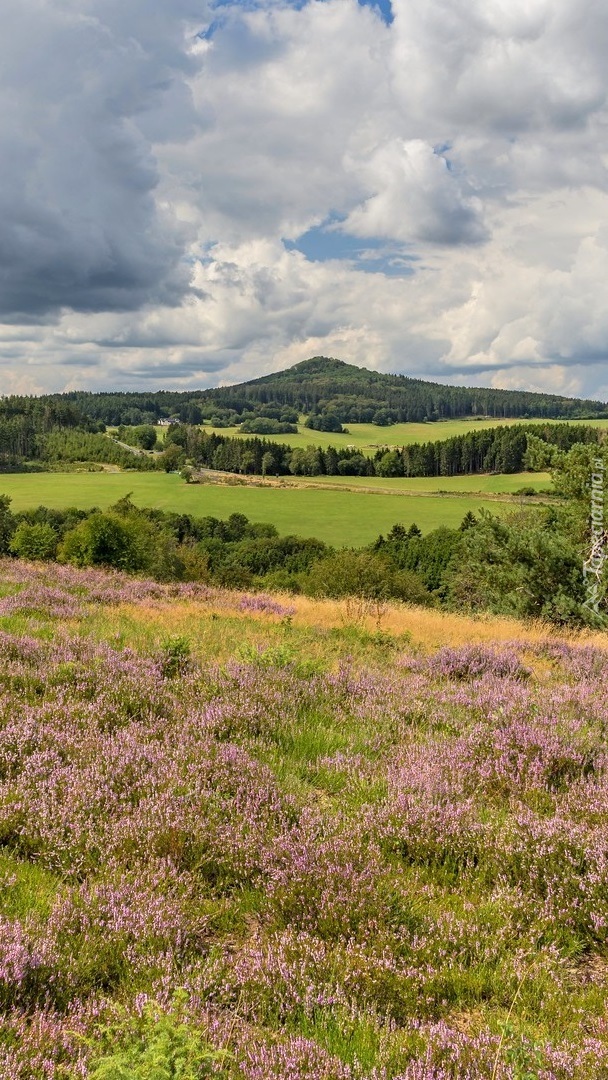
pixel 355 394
pixel 326 389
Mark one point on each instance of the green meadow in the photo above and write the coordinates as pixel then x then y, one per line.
pixel 500 484
pixel 369 437
pixel 342 518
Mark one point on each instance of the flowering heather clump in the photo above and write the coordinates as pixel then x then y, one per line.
pixel 474 661
pixel 266 604
pixel 44 600
pixel 383 874
pixel 295 1059
pixel 94 585
pixel 583 662
pixel 63 591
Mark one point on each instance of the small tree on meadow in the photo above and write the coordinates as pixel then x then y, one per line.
pixel 268 463
pixel 146 437
pixel 366 581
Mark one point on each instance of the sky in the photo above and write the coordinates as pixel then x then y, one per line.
pixel 197 193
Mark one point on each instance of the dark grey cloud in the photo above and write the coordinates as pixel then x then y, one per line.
pixel 83 87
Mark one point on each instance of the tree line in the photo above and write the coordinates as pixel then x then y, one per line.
pixel 494 450
pixel 25 422
pixel 43 436
pixel 501 449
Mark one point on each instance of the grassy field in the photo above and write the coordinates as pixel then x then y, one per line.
pixel 503 484
pixel 338 517
pixel 368 437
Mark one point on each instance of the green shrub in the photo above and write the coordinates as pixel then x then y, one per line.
pixel 102 540
pixel 175 657
pixel 7 524
pixel 364 575
pixel 34 541
pixel 159 1046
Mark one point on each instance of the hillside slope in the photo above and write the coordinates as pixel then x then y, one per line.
pixel 353 394
pixel 358 395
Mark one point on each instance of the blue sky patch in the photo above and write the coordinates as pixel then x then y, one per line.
pixel 321 244
pixel 383 7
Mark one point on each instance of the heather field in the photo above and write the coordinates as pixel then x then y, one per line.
pixel 248 838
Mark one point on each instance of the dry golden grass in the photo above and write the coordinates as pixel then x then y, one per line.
pixel 429 629
pixel 213 631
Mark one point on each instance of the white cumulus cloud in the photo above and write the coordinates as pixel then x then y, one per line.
pixel 443 179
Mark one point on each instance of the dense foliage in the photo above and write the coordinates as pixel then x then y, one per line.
pixel 495 450
pixel 263 425
pixel 41 433
pixel 26 424
pixel 210 450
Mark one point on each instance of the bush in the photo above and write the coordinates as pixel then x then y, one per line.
pixel 103 540
pixel 146 437
pixel 7 524
pixel 159 1046
pixel 324 422
pixel 34 541
pixel 366 576
pixel 263 425
pixel 355 465
pixel 175 657
pixel 172 459
pixel 524 567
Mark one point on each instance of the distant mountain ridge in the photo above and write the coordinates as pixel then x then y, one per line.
pixel 325 384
